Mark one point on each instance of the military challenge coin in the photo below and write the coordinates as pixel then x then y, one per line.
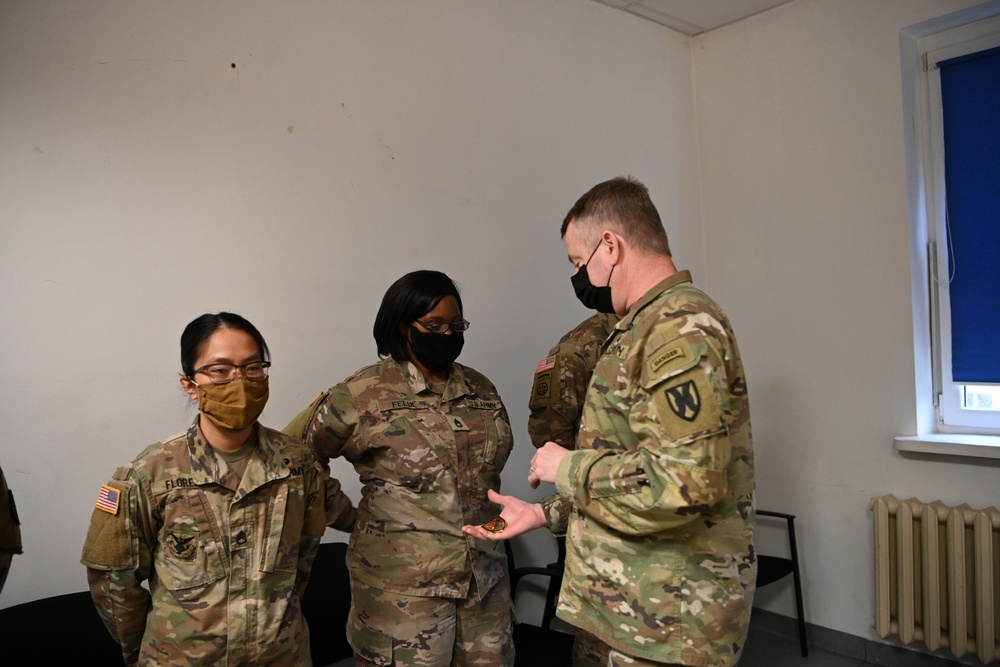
pixel 495 525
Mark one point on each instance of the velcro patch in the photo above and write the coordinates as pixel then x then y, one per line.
pixel 108 499
pixel 546 363
pixel 181 546
pixel 665 357
pixel 483 405
pixel 386 406
pixel 684 400
pixel 687 405
pixel 111 542
pixel 543 389
pixel 457 424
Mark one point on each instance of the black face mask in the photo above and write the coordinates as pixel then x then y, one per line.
pixel 436 351
pixel 595 298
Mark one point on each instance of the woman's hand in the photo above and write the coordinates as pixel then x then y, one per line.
pixel 521 517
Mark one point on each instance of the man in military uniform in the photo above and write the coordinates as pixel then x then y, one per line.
pixel 555 406
pixel 660 565
pixel 561 380
pixel 10 530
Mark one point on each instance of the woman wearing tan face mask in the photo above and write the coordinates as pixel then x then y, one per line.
pixel 222 521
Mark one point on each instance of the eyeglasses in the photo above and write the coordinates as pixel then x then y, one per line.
pixel 441 327
pixel 226 373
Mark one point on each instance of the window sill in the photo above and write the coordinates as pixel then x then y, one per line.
pixel 952 444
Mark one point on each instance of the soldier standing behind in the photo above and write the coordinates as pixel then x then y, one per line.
pixel 561 380
pixel 10 530
pixel 428 437
pixel 660 564
pixel 556 403
pixel 222 521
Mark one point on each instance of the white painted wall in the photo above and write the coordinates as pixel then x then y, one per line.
pixel 145 180
pixel 807 244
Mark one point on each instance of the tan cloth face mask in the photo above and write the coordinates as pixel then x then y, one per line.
pixel 234 405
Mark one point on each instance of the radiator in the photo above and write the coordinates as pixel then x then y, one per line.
pixel 937 575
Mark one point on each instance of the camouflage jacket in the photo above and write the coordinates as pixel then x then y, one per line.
pixel 561 380
pixel 659 560
pixel 226 560
pixel 425 461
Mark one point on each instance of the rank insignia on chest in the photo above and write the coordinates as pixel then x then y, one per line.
pixel 457 424
pixel 107 499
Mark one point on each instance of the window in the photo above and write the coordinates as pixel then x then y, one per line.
pixel 951 69
pixel 965 103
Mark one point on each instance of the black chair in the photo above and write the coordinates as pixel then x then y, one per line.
pixel 540 645
pixel 59 630
pixel 772 568
pixel 326 604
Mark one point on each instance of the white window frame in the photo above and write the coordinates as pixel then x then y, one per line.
pixel 943 424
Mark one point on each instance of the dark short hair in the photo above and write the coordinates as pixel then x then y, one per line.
pixel 623 205
pixel 201 328
pixel 407 299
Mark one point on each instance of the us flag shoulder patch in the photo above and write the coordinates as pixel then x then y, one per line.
pixel 107 499
pixel 546 363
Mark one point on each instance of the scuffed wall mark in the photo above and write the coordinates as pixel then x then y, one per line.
pixel 140 115
pixel 102 62
pixel 38 149
pixel 291 128
pixel 387 148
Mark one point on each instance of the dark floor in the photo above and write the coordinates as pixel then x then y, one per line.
pixel 764 649
pixel 767 649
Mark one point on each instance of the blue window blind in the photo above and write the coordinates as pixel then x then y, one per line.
pixel 970 102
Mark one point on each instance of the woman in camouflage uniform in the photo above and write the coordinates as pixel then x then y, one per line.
pixel 428 438
pixel 222 521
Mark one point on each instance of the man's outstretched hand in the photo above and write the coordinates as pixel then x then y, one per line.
pixel 520 516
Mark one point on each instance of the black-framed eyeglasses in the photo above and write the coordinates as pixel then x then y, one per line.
pixel 440 327
pixel 226 373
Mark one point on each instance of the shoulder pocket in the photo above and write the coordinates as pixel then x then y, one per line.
pixel 112 539
pixel 683 388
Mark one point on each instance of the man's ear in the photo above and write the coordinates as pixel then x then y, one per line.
pixel 190 387
pixel 612 244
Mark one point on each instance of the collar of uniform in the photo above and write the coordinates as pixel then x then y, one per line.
pixel 457 385
pixel 647 298
pixel 264 464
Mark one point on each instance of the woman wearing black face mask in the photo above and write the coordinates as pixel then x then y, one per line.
pixel 428 437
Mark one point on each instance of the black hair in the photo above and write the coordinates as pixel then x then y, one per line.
pixel 410 297
pixel 201 328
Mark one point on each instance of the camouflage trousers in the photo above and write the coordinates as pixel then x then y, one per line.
pixel 619 659
pixel 389 629
pixel 589 651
